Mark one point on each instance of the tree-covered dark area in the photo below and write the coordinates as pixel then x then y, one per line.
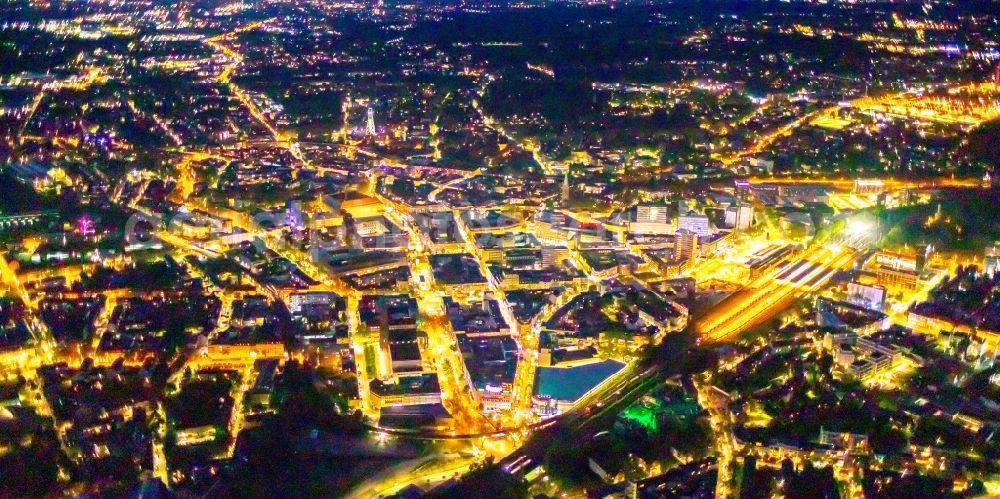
pixel 279 451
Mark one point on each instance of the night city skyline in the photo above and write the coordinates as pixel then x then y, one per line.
pixel 499 248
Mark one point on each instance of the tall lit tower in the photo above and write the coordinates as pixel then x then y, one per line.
pixel 565 188
pixel 370 126
pixel 345 113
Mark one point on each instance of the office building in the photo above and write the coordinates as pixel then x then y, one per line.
pixel 685 245
pixel 693 222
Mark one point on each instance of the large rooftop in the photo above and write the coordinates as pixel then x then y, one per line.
pixel 571 383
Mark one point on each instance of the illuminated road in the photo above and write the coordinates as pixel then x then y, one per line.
pixel 45 342
pixel 764 297
pixel 186 177
pixel 75 82
pixel 728 448
pixel 451 184
pixel 722 433
pixel 35 103
pixel 766 140
pixel 980 105
pixel 176 139
pixel 498 127
pixel 449 365
pixel 225 78
pixel 423 472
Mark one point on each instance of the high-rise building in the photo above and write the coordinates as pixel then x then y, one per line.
pixel 739 216
pixel 897 279
pixel 651 214
pixel 741 190
pixel 693 222
pixel 867 296
pixel 685 245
